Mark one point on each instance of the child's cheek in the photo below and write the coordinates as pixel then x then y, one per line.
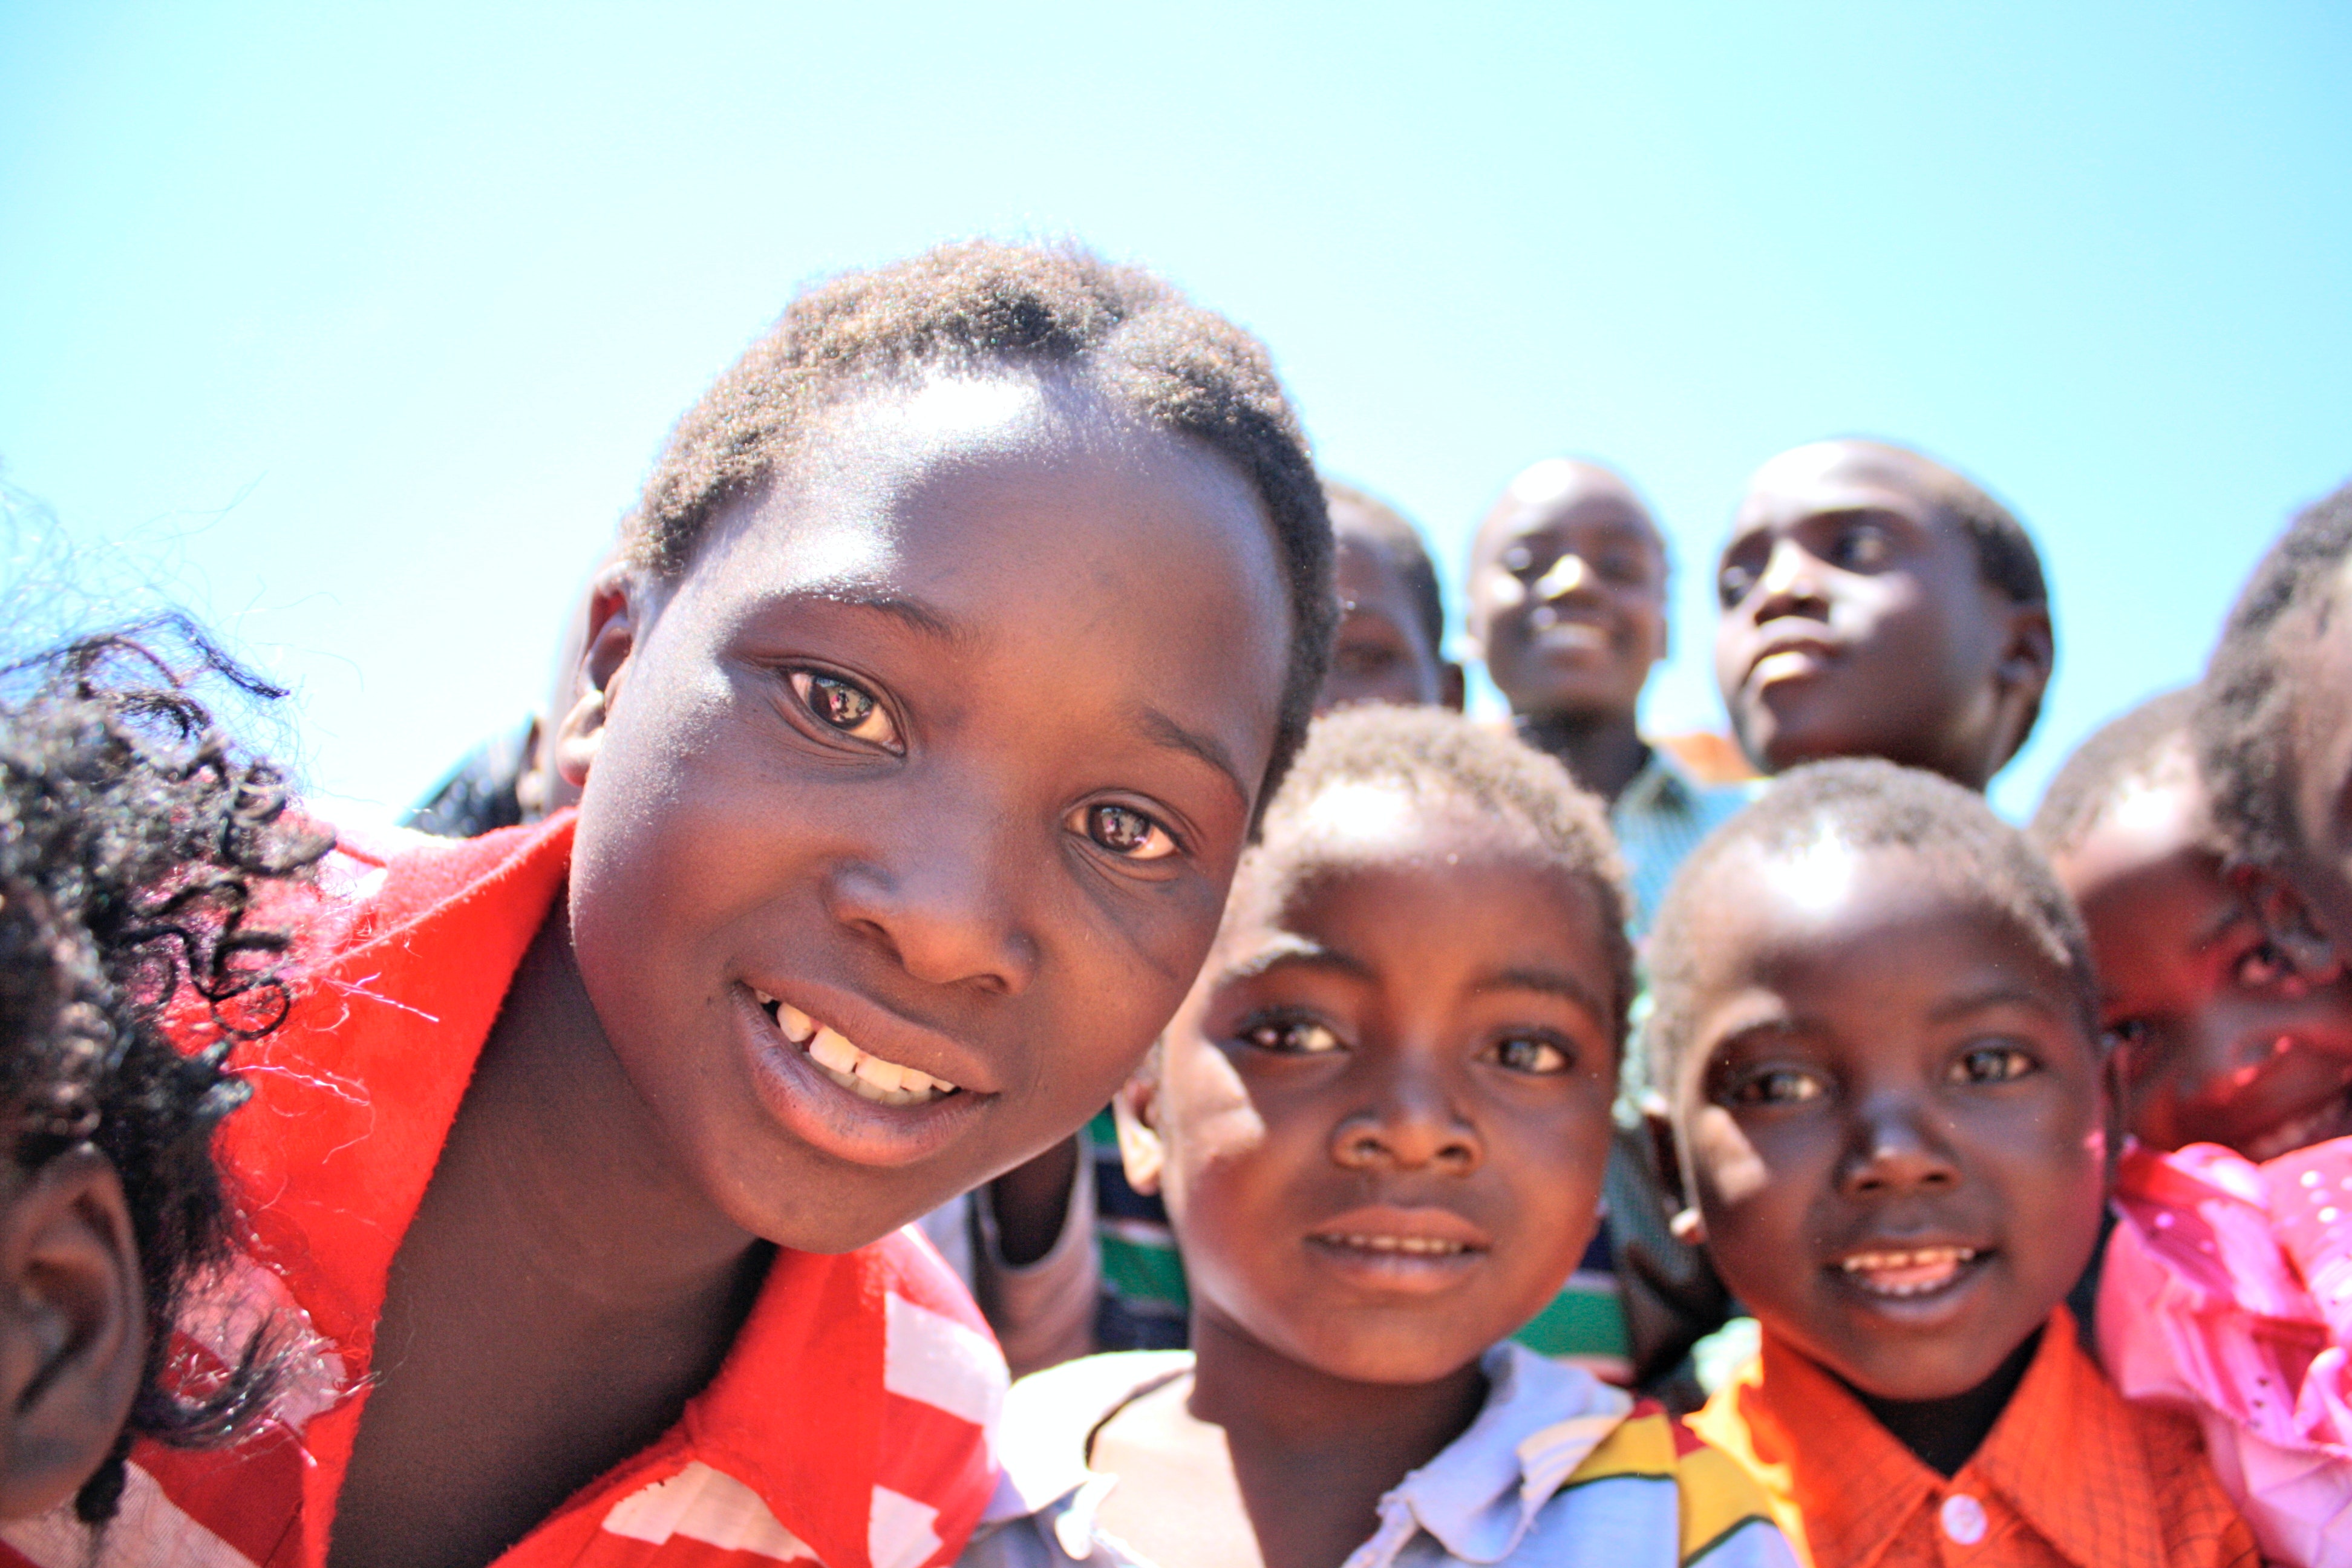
pixel 1729 1168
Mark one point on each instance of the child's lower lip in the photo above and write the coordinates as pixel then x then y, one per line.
pixel 803 1099
pixel 2330 1118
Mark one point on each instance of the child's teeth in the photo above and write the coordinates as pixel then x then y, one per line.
pixel 1425 1245
pixel 1907 1273
pixel 832 1050
pixel 885 1082
pixel 882 1075
pixel 797 1025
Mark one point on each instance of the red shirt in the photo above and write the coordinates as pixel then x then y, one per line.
pixel 2070 1477
pixel 847 1425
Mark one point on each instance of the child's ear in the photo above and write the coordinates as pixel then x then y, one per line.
pixel 620 608
pixel 2021 675
pixel 73 1330
pixel 1665 1157
pixel 1140 1149
pixel 1453 685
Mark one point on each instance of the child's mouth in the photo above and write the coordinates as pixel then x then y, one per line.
pixel 2331 1118
pixel 860 1072
pixel 1912 1271
pixel 1420 1245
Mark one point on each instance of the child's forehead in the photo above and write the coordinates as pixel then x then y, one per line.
pixel 1845 476
pixel 1360 827
pixel 1558 494
pixel 1772 904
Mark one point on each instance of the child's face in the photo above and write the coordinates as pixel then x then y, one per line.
pixel 1568 592
pixel 2219 1041
pixel 1382 1116
pixel 1891 1117
pixel 935 762
pixel 1380 653
pixel 1857 623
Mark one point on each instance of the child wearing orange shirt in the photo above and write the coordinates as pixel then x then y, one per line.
pixel 959 633
pixel 1876 1024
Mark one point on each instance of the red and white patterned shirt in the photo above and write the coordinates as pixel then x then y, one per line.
pixel 849 1425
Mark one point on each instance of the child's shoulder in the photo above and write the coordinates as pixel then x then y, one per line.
pixel 1050 1415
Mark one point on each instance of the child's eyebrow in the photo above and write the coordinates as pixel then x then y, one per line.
pixel 1998 995
pixel 1192 743
pixel 1287 950
pixel 1545 982
pixel 912 613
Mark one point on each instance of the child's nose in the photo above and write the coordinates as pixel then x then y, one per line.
pixel 944 906
pixel 1410 1126
pixel 1896 1149
pixel 1791 581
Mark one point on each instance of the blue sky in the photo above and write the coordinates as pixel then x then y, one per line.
pixel 357 330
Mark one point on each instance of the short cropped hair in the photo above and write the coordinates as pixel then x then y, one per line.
pixel 982 307
pixel 2242 725
pixel 1439 758
pixel 135 841
pixel 1396 538
pixel 2133 750
pixel 1862 803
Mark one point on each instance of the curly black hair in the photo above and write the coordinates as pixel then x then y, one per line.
pixel 2242 724
pixel 1438 757
pixel 983 306
pixel 135 838
pixel 1862 802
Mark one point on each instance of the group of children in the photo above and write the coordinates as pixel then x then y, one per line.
pixel 991 716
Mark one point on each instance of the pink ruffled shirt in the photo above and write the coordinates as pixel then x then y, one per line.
pixel 2228 1291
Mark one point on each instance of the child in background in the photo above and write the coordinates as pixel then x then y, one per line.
pixel 2228 1287
pixel 1567 608
pixel 1380 1120
pixel 1876 1021
pixel 2219 1041
pixel 1875 604
pixel 135 842
pixel 1390 645
pixel 958 637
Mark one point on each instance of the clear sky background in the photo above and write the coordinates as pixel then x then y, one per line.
pixel 357 330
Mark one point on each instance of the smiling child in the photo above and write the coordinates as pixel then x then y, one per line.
pixel 1876 604
pixel 1876 1021
pixel 958 634
pixel 1380 1120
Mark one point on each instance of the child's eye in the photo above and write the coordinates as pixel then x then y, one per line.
pixel 2263 965
pixel 1532 1054
pixel 1864 547
pixel 1127 833
pixel 1778 1085
pixel 1992 1064
pixel 1290 1036
pixel 1733 584
pixel 844 706
pixel 1517 560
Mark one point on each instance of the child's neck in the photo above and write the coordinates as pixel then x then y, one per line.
pixel 1945 1433
pixel 562 1290
pixel 1602 752
pixel 1312 1454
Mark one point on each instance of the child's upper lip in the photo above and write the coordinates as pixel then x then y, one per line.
pixel 1422 1220
pixel 883 1032
pixel 1809 640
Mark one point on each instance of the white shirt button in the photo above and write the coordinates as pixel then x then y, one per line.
pixel 1963 1519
